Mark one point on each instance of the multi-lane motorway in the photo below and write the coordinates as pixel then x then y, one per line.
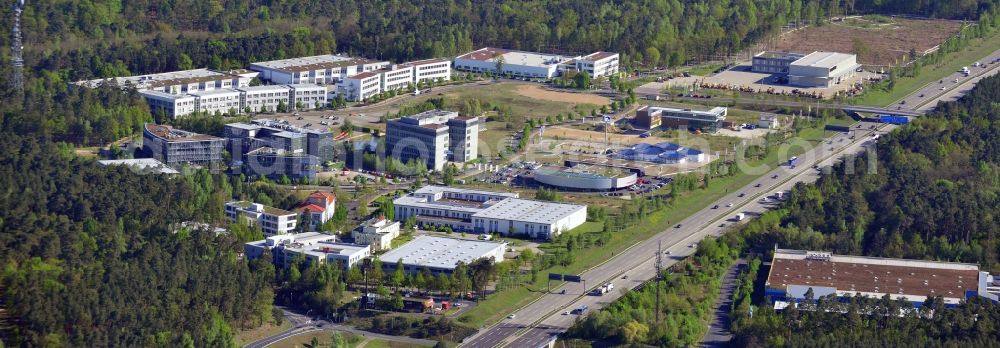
pixel 927 97
pixel 537 323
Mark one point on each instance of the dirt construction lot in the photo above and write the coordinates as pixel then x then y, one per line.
pixel 537 92
pixel 877 40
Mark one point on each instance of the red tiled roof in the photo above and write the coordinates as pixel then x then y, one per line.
pixel 329 197
pixel 312 208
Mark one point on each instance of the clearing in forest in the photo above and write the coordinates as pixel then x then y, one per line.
pixel 877 40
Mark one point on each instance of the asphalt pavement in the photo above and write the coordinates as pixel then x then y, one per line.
pixel 718 334
pixel 303 324
pixel 540 321
pixel 954 85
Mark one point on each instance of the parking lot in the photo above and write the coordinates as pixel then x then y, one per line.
pixel 741 76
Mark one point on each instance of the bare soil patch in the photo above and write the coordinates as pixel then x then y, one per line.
pixel 880 40
pixel 537 92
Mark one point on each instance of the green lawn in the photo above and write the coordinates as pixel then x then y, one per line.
pixel 703 70
pixel 951 63
pixel 499 306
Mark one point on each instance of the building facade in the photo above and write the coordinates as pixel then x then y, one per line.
pixel 822 69
pixel 170 105
pixel 307 96
pixel 396 77
pixel 377 232
pixel 360 87
pixel 218 101
pixel 598 64
pixel 175 147
pixel 322 69
pixel 317 209
pixel 774 62
pixel 430 70
pixel 275 148
pixel 264 98
pixel 272 221
pixel 705 121
pixel 436 136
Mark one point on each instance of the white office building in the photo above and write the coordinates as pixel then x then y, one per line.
pixel 307 96
pixel 598 64
pixel 535 65
pixel 322 69
pixel 313 247
pixel 361 86
pixel 822 69
pixel 440 254
pixel 180 82
pixel 396 77
pixel 264 98
pixel 488 212
pixel 273 221
pixel 377 232
pixel 171 105
pixel 224 101
pixel 438 69
pixel 436 136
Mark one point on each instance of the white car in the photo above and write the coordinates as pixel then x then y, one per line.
pixel 565 313
pixel 511 316
pixel 729 205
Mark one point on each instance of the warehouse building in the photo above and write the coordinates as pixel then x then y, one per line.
pixel 795 272
pixel 585 178
pixel 175 147
pixel 488 212
pixel 435 135
pixel 312 247
pixel 440 254
pixel 272 221
pixel 822 69
pixel 651 117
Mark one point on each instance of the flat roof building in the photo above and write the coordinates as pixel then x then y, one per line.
pixel 273 221
pixel 488 212
pixel 313 247
pixel 378 232
pixel 436 136
pixel 822 69
pixel 774 62
pixel 585 178
pixel 141 165
pixel 321 69
pixel 535 65
pixel 664 153
pixel 794 272
pixel 706 121
pixel 180 82
pixel 440 254
pixel 175 147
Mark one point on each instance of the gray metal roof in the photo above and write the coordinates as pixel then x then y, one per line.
pixel 440 252
pixel 525 210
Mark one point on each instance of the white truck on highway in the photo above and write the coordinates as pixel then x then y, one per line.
pixel 740 216
pixel 604 289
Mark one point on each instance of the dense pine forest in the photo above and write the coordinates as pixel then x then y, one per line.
pixel 89 260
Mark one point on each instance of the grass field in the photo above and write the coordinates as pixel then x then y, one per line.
pixel 930 74
pixel 504 303
pixel 528 100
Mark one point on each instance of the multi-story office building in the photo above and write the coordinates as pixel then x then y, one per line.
pixel 171 105
pixel 438 69
pixel 272 221
pixel 312 247
pixel 436 136
pixel 222 101
pixel 396 77
pixel 272 163
pixel 488 212
pixel 264 98
pixel 174 146
pixel 774 62
pixel 598 64
pixel 307 96
pixel 322 69
pixel 281 136
pixel 377 232
pixel 361 86
pixel 180 82
pixel 535 65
